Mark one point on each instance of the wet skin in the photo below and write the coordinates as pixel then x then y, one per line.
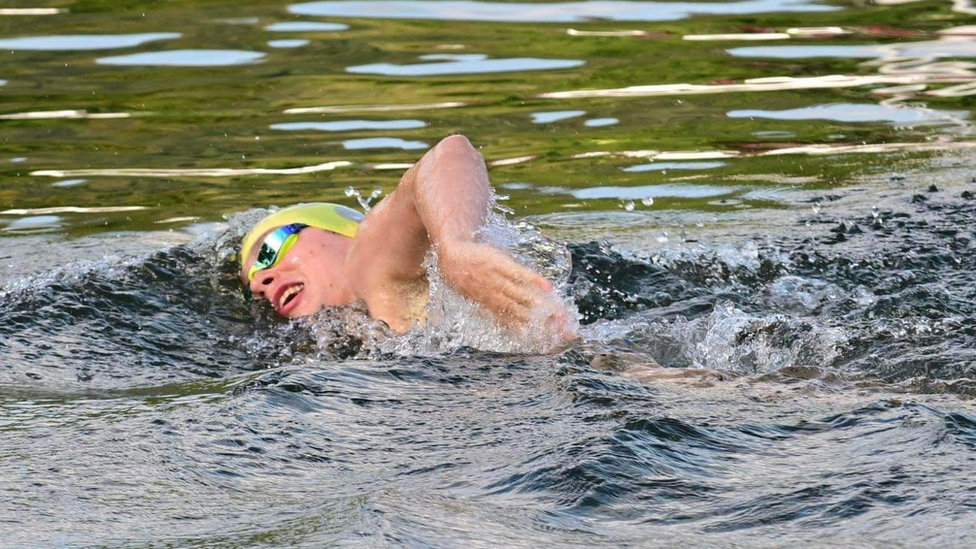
pixel 440 204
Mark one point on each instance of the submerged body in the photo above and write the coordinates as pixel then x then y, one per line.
pixel 439 205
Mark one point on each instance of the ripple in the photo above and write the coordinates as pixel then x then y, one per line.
pixel 75 42
pixel 178 219
pixel 600 122
pixel 350 125
pixel 398 166
pixel 375 108
pixel 852 112
pixel 239 21
pixel 191 172
pixel 557 12
pixel 39 223
pixel 31 11
pixel 384 143
pixel 305 26
pixel 949 46
pixel 186 58
pixel 764 36
pixel 753 36
pixel 464 64
pixel 65 114
pixel 774 134
pixel 575 32
pixel 512 161
pixel 870 148
pixel 664 166
pixel 812 149
pixel 643 191
pixel 806 52
pixel 288 43
pixel 554 116
pixel 69 183
pixel 73 209
pixel 772 83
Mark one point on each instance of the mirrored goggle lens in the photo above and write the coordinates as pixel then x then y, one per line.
pixel 273 244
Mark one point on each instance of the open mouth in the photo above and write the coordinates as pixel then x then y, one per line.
pixel 289 298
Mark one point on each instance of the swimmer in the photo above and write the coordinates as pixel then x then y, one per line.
pixel 310 256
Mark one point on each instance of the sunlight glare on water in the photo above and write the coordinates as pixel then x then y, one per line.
pixel 445 64
pixel 83 41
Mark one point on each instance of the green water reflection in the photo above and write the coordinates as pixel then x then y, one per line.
pixel 74 128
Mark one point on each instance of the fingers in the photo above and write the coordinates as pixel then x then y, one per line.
pixel 516 296
pixel 521 275
pixel 521 296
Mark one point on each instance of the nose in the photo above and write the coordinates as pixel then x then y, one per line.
pixel 261 282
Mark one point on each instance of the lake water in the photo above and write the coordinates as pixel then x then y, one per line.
pixel 768 207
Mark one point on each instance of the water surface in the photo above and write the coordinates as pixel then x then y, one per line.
pixel 305 26
pixel 447 64
pixel 296 43
pixel 349 125
pixel 555 116
pixel 771 250
pixel 185 58
pixel 75 42
pixel 548 12
pixel 900 114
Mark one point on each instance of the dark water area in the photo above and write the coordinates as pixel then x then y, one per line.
pixel 805 389
pixel 769 207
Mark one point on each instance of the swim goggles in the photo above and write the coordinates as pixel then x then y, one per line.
pixel 274 247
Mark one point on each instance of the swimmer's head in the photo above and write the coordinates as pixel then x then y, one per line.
pixel 295 257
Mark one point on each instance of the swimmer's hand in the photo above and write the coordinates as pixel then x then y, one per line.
pixel 516 296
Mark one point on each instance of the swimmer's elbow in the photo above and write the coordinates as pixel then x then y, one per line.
pixel 456 143
pixel 456 146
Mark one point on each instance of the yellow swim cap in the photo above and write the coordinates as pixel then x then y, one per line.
pixel 322 215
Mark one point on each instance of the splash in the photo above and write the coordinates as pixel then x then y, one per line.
pixel 364 201
pixel 452 321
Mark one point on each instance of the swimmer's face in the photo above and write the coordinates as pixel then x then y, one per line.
pixel 307 278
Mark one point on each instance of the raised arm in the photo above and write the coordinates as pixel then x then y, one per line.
pixel 450 191
pixel 442 198
pixel 442 202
